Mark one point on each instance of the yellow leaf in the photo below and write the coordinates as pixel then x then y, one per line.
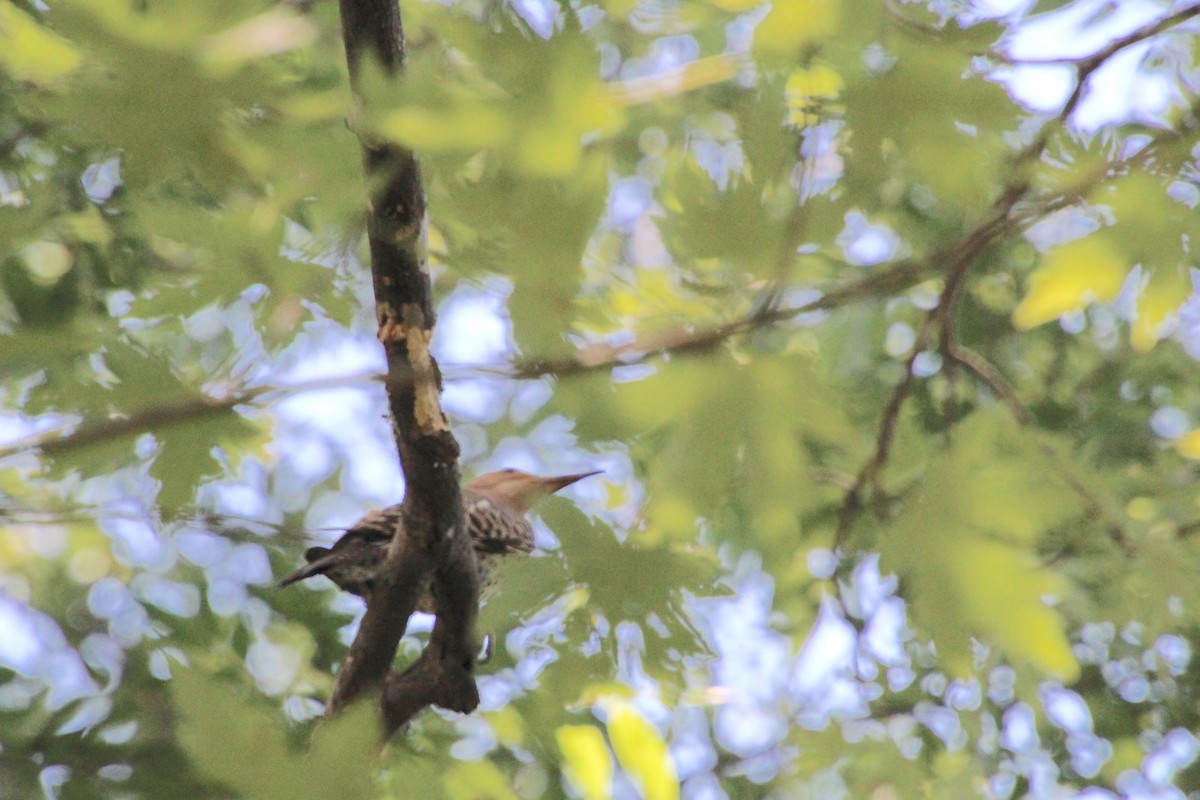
pixel 1156 306
pixel 1127 754
pixel 47 262
pixel 1141 509
pixel 30 52
pixel 795 23
pixel 1188 445
pixel 620 9
pixel 507 725
pixel 1002 590
pixel 1071 276
pixel 88 226
pixel 641 751
pixel 600 693
pixel 464 126
pixel 313 106
pixel 811 88
pixel 172 26
pixel 575 599
pixel 589 766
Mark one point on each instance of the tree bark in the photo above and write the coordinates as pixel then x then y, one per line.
pixel 435 547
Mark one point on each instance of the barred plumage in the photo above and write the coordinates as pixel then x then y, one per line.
pixel 495 505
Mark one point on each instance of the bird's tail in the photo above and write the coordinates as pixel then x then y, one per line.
pixel 319 560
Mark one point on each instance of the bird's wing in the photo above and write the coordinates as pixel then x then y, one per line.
pixel 496 530
pixel 378 526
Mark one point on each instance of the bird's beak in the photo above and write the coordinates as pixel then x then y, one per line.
pixel 563 481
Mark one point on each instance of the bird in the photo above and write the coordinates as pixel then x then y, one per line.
pixel 495 505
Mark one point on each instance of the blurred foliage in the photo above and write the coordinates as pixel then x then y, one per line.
pixel 890 370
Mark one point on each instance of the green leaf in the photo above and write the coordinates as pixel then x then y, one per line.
pixel 1164 291
pixel 1162 575
pixel 242 746
pixel 534 120
pixel 538 243
pixel 925 119
pixel 970 573
pixel 794 24
pixel 174 118
pixel 630 581
pixel 1152 226
pixel 186 454
pixel 477 780
pixel 731 224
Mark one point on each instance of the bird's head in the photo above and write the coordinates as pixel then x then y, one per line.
pixel 520 490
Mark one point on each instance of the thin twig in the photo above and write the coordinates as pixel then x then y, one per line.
pixel 153 418
pixel 987 372
pixel 1187 529
pixel 588 359
pixel 1091 62
pixel 868 475
pixel 175 412
pixel 71 514
pixel 684 341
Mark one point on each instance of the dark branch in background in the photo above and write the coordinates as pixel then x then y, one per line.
pixel 868 476
pixel 593 358
pixel 174 412
pixel 960 256
pixel 1089 64
pixel 991 377
pixel 1086 67
pixel 436 544
pixel 144 421
pixel 689 341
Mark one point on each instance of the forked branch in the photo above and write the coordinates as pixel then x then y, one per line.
pixel 435 547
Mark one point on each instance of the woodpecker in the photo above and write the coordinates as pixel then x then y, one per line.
pixel 495 505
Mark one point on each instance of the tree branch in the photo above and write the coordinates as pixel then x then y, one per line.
pixel 960 255
pixel 689 341
pixel 149 419
pixel 868 475
pixel 435 545
pixel 987 373
pixel 1088 64
pixel 601 357
pixel 175 412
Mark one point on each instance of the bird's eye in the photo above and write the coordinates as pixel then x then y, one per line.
pixel 508 469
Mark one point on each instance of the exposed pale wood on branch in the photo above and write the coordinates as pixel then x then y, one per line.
pixel 435 547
